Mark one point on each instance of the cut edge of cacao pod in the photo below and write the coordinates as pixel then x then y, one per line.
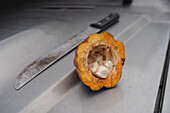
pixel 94 51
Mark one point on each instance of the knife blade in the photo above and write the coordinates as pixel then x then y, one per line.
pixel 43 62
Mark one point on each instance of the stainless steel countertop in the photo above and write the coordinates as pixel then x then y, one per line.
pixel 34 31
pixel 166 102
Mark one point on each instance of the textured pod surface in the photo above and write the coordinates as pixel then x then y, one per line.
pixel 100 48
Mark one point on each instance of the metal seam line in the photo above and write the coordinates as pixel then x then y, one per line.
pixel 162 85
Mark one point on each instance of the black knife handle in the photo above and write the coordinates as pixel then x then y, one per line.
pixel 107 21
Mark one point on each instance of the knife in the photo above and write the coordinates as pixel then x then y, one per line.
pixel 43 62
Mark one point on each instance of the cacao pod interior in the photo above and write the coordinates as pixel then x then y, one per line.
pixel 101 56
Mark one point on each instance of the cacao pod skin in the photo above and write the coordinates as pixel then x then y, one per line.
pixel 81 61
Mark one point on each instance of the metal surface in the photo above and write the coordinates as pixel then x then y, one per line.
pixel 143 28
pixel 133 91
pixel 162 86
pixel 166 103
pixel 137 88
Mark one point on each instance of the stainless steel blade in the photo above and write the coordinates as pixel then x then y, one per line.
pixel 44 62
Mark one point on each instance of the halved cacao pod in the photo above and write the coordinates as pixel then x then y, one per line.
pixel 99 61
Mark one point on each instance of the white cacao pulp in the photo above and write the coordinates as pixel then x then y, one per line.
pixel 101 60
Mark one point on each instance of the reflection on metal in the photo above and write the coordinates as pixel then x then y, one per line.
pixel 133 29
pixel 53 95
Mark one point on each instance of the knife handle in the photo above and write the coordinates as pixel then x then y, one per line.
pixel 107 21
